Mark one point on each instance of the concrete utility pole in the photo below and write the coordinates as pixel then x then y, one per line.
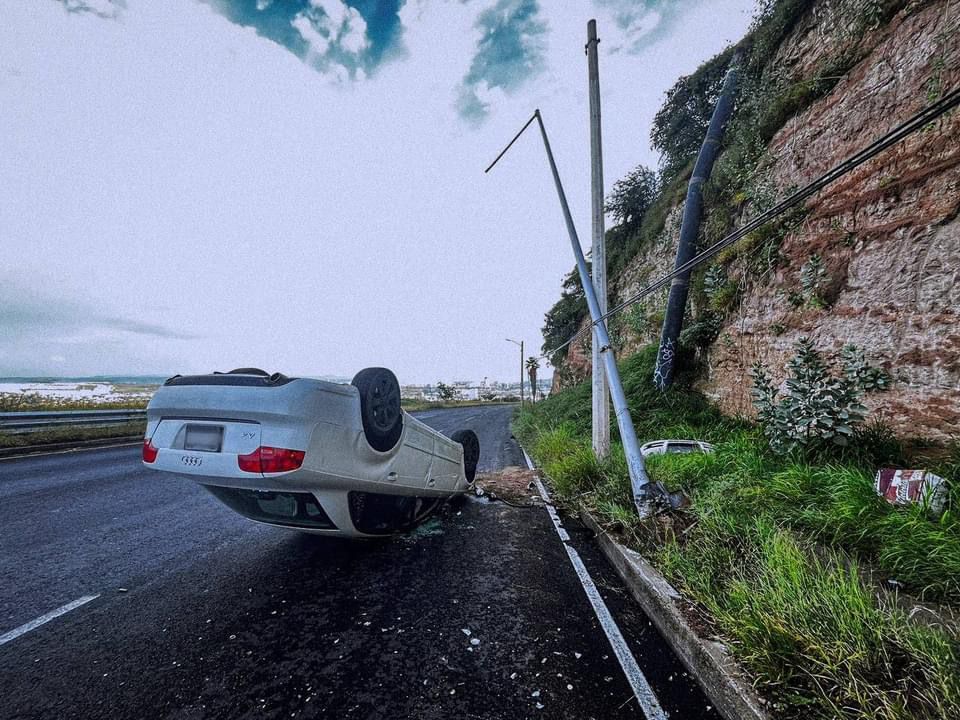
pixel 601 393
pixel 521 368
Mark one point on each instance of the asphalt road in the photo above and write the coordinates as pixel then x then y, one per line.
pixel 203 614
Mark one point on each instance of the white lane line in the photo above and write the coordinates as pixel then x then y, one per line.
pixel 641 688
pixel 33 624
pixel 71 450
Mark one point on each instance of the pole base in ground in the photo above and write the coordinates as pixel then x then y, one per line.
pixel 646 508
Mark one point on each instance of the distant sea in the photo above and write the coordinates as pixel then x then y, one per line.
pixel 115 379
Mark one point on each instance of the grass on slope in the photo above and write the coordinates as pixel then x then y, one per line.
pixel 785 556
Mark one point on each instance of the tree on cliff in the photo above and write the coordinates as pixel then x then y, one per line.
pixel 564 317
pixel 631 197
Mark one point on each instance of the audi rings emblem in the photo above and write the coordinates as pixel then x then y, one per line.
pixel 191 460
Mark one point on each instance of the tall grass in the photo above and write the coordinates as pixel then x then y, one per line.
pixel 784 554
pixel 817 636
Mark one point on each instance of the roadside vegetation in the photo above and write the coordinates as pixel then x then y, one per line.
pixel 71 434
pixel 840 604
pixel 38 402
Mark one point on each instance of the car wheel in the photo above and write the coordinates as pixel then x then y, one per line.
pixel 379 407
pixel 471 451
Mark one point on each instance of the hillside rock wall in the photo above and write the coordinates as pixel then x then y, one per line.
pixel 888 233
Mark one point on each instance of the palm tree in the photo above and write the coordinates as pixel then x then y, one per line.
pixel 532 366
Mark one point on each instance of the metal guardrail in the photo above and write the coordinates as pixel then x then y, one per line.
pixel 26 421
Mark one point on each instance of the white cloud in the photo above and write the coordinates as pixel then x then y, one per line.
pixel 101 8
pixel 353 34
pixel 319 43
pixel 337 36
pixel 337 12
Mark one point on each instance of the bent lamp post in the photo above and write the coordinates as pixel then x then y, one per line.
pixel 643 489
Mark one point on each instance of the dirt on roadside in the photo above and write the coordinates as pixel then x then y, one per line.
pixel 513 484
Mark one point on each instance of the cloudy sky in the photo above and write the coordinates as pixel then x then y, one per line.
pixel 298 185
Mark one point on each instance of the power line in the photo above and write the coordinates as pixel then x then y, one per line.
pixel 928 114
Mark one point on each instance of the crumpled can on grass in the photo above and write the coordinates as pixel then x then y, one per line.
pixel 909 487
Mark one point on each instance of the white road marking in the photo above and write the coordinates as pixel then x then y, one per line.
pixel 71 450
pixel 641 688
pixel 33 624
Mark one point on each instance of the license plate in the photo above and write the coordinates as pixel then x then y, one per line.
pixel 205 438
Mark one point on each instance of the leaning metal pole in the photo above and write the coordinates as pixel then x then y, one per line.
pixel 689 229
pixel 639 481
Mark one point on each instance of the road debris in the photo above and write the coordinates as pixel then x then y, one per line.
pixel 512 485
pixel 912 487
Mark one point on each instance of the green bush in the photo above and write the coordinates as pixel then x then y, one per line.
pixel 813 279
pixel 703 331
pixel 818 410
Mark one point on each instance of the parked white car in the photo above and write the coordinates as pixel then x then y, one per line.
pixel 662 447
pixel 307 454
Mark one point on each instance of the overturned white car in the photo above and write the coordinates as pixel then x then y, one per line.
pixel 307 454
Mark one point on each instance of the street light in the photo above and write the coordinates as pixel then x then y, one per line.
pixel 521 368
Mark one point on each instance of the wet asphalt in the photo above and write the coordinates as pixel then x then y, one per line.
pixel 203 614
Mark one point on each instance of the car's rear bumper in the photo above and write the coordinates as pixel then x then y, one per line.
pixel 325 504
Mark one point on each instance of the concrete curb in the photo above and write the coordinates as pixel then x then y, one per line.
pixel 708 661
pixel 11 453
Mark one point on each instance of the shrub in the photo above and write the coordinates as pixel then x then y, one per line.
pixel 704 331
pixel 813 278
pixel 714 279
pixel 636 318
pixel 631 196
pixel 818 409
pixel 859 371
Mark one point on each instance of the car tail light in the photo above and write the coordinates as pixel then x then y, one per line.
pixel 149 451
pixel 271 460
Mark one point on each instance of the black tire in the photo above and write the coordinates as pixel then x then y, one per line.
pixel 379 407
pixel 471 452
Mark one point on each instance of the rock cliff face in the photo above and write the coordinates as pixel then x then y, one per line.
pixel 640 326
pixel 888 233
